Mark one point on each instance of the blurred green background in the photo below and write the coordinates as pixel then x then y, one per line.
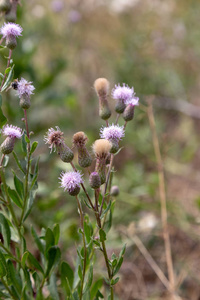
pixel 154 46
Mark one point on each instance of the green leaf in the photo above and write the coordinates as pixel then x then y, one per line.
pixel 80 273
pixel 7 70
pixel 52 287
pixel 67 272
pixel 89 280
pixel 120 260
pixel 96 286
pixel 14 277
pixel 3 119
pixel 19 186
pixel 15 198
pixel 5 161
pixel 27 139
pixel 52 258
pixel 33 261
pixel 3 265
pixel 56 232
pixel 33 147
pixel 5 230
pixel 49 238
pixel 106 210
pixel 30 202
pixel 102 235
pixel 8 80
pixel 18 162
pixel 88 230
pixel 37 240
pixel 24 144
pixel 108 224
pixel 114 281
pixel 24 258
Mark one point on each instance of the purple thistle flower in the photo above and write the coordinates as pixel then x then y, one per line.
pixel 57 5
pixel 11 29
pixel 133 101
pixel 24 87
pixel 53 138
pixel 113 132
pixel 123 93
pixel 71 181
pixel 12 131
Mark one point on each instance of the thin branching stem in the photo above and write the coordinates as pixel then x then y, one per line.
pixel 107 181
pixel 117 118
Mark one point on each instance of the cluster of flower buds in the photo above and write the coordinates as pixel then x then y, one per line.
pixel 110 136
pixel 9 8
pixel 124 96
pixel 10 31
pixel 12 133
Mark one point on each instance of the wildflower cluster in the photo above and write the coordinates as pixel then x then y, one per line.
pixel 100 179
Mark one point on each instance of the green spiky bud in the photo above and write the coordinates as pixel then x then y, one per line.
pixel 115 146
pixel 120 106
pixel 8 145
pixel 79 141
pixel 11 15
pixel 94 180
pixel 128 113
pixel 75 191
pixel 5 5
pixel 65 152
pixel 11 42
pixel 114 190
pixel 101 86
pixel 25 102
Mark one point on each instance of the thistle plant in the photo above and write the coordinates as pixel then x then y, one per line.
pixel 22 275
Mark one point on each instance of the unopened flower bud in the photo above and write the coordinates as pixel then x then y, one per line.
pixel 79 141
pixel 114 190
pixel 8 145
pixel 101 149
pixel 129 110
pixel 94 180
pixel 5 5
pixel 115 146
pixel 65 152
pixel 11 15
pixel 11 42
pixel 101 86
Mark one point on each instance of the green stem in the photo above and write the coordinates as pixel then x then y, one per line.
pixel 97 214
pixel 27 170
pixel 6 250
pixel 107 180
pixel 84 246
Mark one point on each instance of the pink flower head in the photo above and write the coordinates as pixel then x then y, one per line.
pixel 133 101
pixel 11 29
pixel 53 138
pixel 70 180
pixel 112 132
pixel 12 131
pixel 123 93
pixel 24 87
pixel 57 5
